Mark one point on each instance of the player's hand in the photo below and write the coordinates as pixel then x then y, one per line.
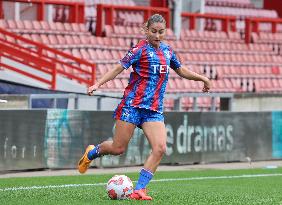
pixel 207 85
pixel 91 89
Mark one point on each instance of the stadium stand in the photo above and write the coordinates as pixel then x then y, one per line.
pixel 223 56
pixel 241 9
pixel 230 3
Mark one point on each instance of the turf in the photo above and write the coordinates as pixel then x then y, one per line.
pixel 198 187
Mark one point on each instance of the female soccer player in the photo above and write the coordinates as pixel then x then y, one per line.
pixel 142 103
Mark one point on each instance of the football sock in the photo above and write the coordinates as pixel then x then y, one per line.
pixel 94 153
pixel 144 178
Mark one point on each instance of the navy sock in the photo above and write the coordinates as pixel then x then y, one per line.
pixel 144 178
pixel 94 153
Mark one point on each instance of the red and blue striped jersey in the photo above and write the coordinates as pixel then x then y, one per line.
pixel 147 83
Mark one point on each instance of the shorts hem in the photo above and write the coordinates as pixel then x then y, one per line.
pixel 152 120
pixel 127 121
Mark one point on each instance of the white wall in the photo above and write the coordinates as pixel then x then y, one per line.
pixel 258 3
pixel 254 103
pixel 9 10
pixel 28 11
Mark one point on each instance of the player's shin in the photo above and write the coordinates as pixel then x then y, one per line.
pixel 144 179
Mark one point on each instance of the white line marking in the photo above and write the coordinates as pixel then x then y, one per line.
pixel 50 186
pixel 154 180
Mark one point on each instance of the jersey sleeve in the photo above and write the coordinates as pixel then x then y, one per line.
pixel 174 62
pixel 132 56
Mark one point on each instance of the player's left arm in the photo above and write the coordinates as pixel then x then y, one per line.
pixel 190 75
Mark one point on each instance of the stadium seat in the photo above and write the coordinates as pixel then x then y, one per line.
pixel 187 103
pixel 168 104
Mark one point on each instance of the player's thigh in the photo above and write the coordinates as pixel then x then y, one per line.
pixel 123 133
pixel 156 133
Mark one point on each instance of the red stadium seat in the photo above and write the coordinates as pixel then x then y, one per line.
pixel 68 28
pixel 3 23
pixel 187 103
pixel 45 39
pixel 76 53
pixel 53 39
pixel 61 39
pixel 171 86
pixel 76 27
pixel 115 55
pixel 85 54
pixel 168 104
pixel 12 25
pixel 36 37
pixel 84 39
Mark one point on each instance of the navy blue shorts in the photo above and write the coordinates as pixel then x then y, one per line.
pixel 137 116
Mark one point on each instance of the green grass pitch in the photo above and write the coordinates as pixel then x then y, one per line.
pixel 248 186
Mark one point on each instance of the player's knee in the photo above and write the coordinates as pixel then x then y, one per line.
pixel 160 150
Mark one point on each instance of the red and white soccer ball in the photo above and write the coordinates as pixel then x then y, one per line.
pixel 119 187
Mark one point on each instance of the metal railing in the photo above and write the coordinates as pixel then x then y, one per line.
pixel 74 100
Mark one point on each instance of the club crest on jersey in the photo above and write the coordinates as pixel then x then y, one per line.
pixel 167 54
pixel 160 69
pixel 151 54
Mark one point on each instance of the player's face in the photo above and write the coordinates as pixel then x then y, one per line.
pixel 155 34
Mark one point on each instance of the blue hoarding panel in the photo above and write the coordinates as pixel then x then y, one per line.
pixel 277 134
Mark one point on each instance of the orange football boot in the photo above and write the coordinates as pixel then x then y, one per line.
pixel 84 162
pixel 140 195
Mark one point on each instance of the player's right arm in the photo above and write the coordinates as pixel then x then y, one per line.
pixel 130 58
pixel 110 75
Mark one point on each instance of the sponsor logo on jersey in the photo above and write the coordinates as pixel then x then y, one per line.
pixel 160 69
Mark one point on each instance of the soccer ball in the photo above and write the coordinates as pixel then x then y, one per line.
pixel 119 187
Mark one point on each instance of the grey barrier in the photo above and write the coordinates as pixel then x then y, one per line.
pixel 57 138
pixel 21 139
pixel 205 138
